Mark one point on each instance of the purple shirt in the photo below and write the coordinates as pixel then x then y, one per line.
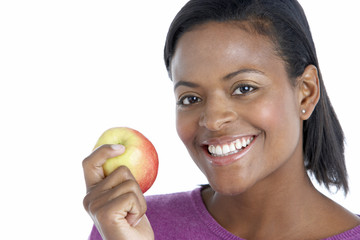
pixel 184 216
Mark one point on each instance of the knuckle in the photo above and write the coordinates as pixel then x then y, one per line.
pixel 91 203
pixel 132 185
pixel 138 201
pixel 85 162
pixel 144 207
pixel 86 202
pixel 135 195
pixel 103 215
pixel 123 169
pixel 143 204
pixel 99 152
pixel 125 172
pixel 130 197
pixel 92 208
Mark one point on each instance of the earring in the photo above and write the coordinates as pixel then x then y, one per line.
pixel 303 111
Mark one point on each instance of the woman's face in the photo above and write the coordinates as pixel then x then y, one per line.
pixel 237 112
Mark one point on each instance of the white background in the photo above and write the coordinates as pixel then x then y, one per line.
pixel 71 69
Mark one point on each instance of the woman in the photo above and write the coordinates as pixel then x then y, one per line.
pixel 253 112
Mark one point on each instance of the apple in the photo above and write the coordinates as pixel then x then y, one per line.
pixel 140 155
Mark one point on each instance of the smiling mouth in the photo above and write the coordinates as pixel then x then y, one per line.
pixel 230 148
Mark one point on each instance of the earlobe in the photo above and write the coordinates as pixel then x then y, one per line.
pixel 309 93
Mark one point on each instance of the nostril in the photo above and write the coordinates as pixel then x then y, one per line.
pixel 217 112
pixel 217 122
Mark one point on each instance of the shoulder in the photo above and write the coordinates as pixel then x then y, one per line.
pixel 339 221
pixel 352 234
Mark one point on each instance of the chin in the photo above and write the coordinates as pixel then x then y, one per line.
pixel 229 192
pixel 230 189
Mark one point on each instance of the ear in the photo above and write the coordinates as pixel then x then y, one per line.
pixel 309 91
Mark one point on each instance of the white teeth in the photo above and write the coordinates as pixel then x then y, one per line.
pixel 231 148
pixel 225 149
pixel 243 142
pixel 218 150
pixel 238 144
pixel 212 149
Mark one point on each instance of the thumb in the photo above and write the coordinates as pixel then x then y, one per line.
pixel 92 165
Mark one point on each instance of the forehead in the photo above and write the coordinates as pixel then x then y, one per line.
pixel 214 46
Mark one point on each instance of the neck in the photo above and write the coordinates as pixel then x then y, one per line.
pixel 272 205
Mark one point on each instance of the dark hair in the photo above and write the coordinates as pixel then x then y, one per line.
pixel 284 22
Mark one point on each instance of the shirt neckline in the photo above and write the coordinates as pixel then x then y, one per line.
pixel 208 220
pixel 218 230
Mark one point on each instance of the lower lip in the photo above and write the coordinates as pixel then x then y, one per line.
pixel 229 159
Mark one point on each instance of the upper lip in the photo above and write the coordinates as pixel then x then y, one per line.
pixel 224 139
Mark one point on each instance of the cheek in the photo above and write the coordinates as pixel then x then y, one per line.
pixel 277 108
pixel 185 128
pixel 272 116
pixel 279 121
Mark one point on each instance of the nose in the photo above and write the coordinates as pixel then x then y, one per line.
pixel 218 113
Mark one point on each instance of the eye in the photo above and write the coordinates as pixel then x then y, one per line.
pixel 188 100
pixel 243 89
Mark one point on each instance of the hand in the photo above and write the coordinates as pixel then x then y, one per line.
pixel 115 203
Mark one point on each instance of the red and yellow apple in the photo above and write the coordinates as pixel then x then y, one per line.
pixel 140 155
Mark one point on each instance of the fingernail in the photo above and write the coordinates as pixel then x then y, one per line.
pixel 117 147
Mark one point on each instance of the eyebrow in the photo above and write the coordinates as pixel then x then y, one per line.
pixel 186 84
pixel 227 77
pixel 244 70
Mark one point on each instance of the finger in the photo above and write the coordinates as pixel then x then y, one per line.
pixel 120 181
pixel 95 199
pixel 125 210
pixel 112 181
pixel 118 176
pixel 92 165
